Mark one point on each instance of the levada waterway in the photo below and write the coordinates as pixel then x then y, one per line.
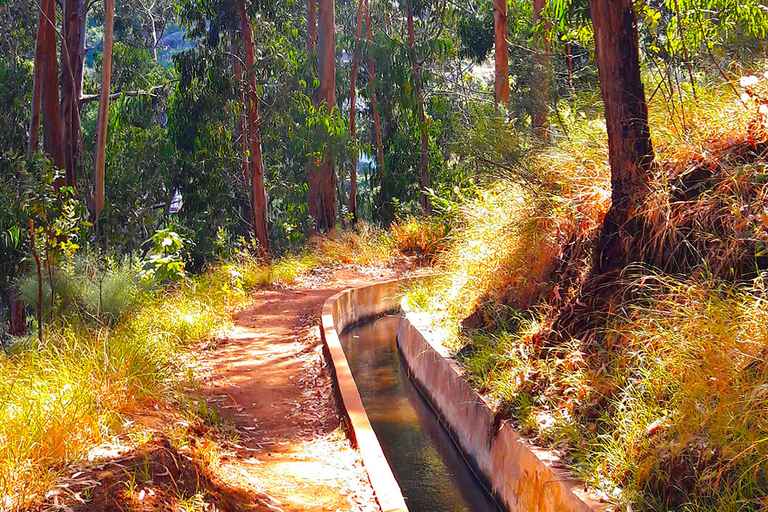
pixel 429 468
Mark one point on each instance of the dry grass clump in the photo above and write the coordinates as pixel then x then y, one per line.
pixel 518 233
pixel 363 245
pixel 424 238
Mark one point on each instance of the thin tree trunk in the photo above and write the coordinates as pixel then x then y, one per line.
pixel 626 116
pixel 312 26
pixel 72 57
pixel 352 113
pixel 45 58
pixel 325 185
pixel 103 116
pixel 540 86
pixel 39 281
pixel 376 119
pixel 313 178
pixel 501 51
pixel 424 157
pixel 260 226
pixel 33 144
pixel 241 129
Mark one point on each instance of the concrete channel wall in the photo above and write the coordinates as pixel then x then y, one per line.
pixel 341 311
pixel 522 477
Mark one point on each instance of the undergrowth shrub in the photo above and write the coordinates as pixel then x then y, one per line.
pixel 87 285
pixel 424 238
pixel 363 245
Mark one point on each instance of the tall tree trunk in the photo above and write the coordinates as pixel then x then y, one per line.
pixel 424 157
pixel 46 68
pixel 376 119
pixel 260 227
pixel 313 170
pixel 72 56
pixel 103 117
pixel 501 51
pixel 540 85
pixel 324 186
pixel 626 117
pixel 352 113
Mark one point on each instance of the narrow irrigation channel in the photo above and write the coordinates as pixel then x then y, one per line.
pixel 429 468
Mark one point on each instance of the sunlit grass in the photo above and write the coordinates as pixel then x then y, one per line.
pixel 118 346
pixel 664 406
pixel 61 398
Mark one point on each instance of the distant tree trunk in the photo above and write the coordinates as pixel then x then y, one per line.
pixel 376 119
pixel 312 26
pixel 626 117
pixel 260 226
pixel 323 186
pixel 241 128
pixel 540 85
pixel 72 56
pixel 352 113
pixel 46 68
pixel 18 317
pixel 33 142
pixel 424 157
pixel 103 117
pixel 501 51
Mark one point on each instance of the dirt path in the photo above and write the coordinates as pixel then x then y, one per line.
pixel 271 376
pixel 284 448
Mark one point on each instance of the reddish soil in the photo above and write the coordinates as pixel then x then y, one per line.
pixel 284 447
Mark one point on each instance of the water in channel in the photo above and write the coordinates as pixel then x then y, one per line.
pixel 429 468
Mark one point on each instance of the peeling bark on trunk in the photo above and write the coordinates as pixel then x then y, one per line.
pixel 352 114
pixel 72 56
pixel 424 157
pixel 501 51
pixel 541 78
pixel 322 186
pixel 103 116
pixel 46 68
pixel 260 226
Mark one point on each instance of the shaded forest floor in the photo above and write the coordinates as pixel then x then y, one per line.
pixel 268 434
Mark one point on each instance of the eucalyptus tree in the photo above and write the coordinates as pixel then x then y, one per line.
pixel 322 177
pixel 45 91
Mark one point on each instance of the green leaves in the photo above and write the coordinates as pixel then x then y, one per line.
pixel 164 262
